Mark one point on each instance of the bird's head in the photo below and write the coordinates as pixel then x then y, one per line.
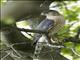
pixel 51 14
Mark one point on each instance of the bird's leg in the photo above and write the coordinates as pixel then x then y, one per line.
pixel 39 47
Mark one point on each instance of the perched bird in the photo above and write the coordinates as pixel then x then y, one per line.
pixel 52 23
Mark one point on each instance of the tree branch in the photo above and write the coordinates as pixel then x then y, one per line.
pixel 33 31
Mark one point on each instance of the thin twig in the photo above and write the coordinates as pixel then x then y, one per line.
pixel 73 50
pixel 6 56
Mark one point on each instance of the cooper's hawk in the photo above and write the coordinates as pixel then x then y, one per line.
pixel 52 23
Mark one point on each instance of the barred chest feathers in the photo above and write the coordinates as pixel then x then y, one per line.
pixel 59 22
